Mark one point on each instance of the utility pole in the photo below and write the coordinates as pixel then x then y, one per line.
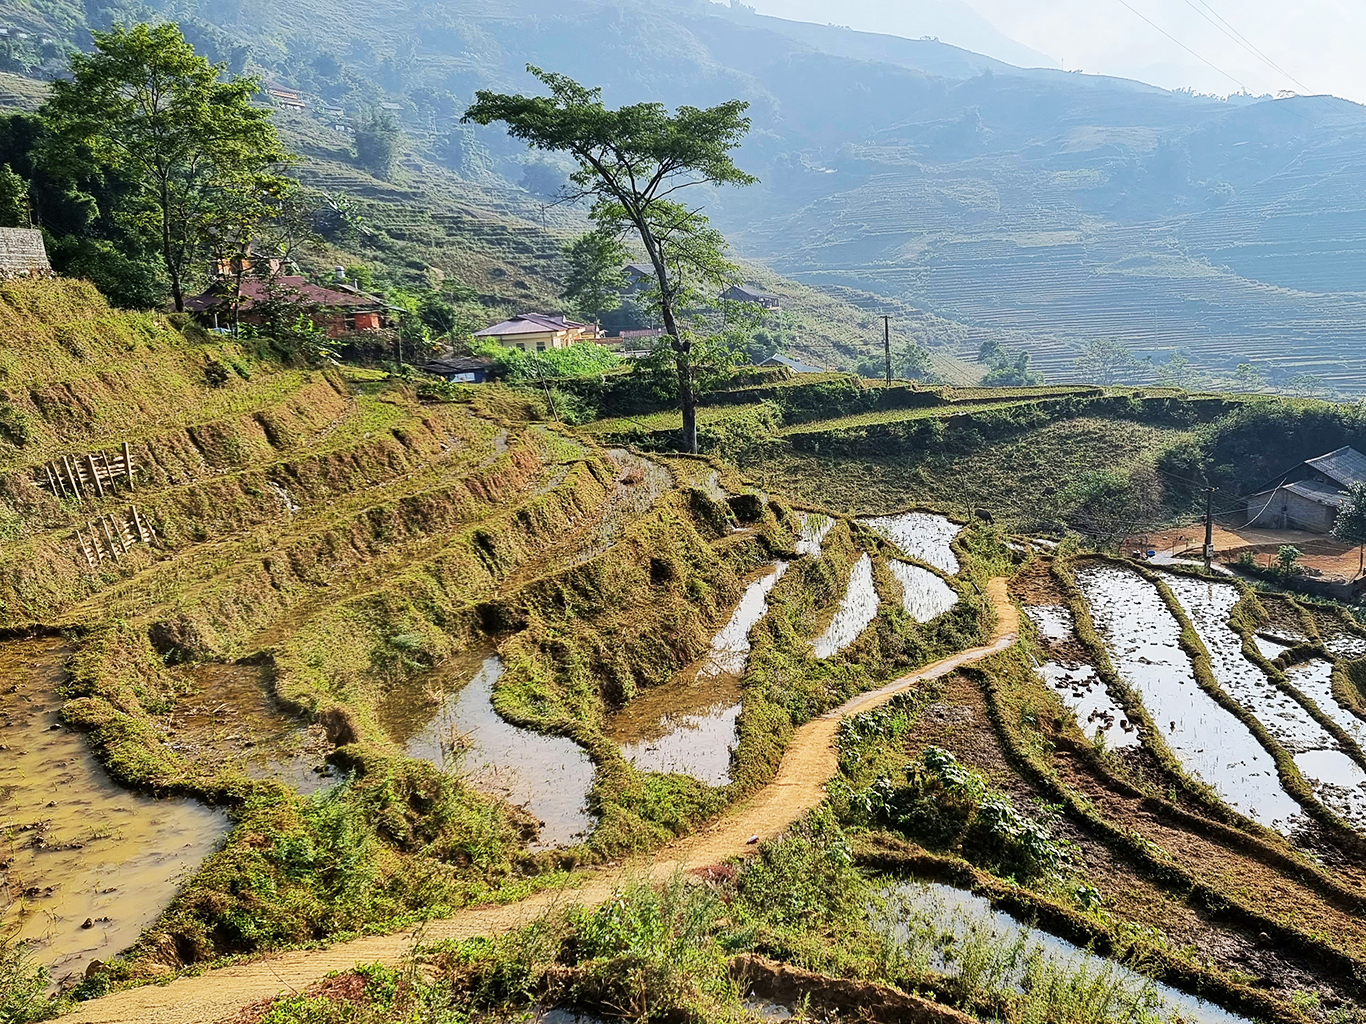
pixel 887 345
pixel 1209 526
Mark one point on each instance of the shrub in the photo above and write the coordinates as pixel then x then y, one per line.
pixel 23 986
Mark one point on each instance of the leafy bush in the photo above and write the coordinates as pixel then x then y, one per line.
pixel 23 986
pixel 944 803
pixel 1012 842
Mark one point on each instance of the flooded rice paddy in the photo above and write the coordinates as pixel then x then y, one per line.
pixel 687 725
pixel 1345 645
pixel 921 916
pixel 815 527
pixel 1337 780
pixel 921 535
pixel 856 611
pixel 86 865
pixel 1141 637
pixel 1208 605
pixel 1081 689
pixel 923 594
pixel 1053 621
pixel 549 775
pixel 232 718
pixel 1314 679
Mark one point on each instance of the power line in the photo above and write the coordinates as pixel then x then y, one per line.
pixel 1242 40
pixel 1137 13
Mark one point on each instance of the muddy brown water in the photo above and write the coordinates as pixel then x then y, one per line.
pixel 74 846
pixel 231 717
pixel 447 718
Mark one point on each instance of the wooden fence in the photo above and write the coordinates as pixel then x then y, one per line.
pixel 87 476
pixel 112 535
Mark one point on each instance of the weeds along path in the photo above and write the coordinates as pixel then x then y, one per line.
pixel 808 764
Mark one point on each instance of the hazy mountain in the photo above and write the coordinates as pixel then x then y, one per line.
pixel 951 21
pixel 1042 208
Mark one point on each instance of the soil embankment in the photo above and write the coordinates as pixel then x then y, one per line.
pixel 808 764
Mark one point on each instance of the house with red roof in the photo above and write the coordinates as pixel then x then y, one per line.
pixel 338 309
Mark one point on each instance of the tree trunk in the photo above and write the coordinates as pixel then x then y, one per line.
pixel 687 397
pixel 172 271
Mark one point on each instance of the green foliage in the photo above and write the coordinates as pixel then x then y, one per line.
pixel 1005 373
pixel 1263 437
pixel 401 838
pixel 517 366
pixel 632 163
pixel 146 106
pixel 594 280
pixel 806 878
pixel 1350 524
pixel 23 985
pixel 1288 560
pixel 1107 361
pixel 1107 505
pixel 378 140
pixel 943 803
pixel 14 212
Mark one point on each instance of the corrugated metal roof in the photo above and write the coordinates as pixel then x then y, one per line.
pixel 1319 493
pixel 795 365
pixel 531 323
pixel 1346 465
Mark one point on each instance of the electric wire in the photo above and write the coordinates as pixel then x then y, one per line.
pixel 1137 13
pixel 1243 41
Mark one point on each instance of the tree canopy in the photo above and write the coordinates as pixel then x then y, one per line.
pixel 188 142
pixel 1350 523
pixel 633 163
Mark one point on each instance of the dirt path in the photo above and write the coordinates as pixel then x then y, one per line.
pixel 808 764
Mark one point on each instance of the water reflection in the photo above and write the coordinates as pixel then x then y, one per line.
pixel 921 915
pixel 688 724
pixel 1142 638
pixel 549 775
pixel 921 535
pixel 856 611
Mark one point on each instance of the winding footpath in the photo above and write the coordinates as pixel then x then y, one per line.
pixel 809 763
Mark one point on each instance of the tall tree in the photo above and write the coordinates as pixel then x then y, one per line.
pixel 633 164
pixel 1106 361
pixel 146 105
pixel 378 140
pixel 1350 524
pixel 595 277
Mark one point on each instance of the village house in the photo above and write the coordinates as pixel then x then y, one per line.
pixel 460 369
pixel 735 293
pixel 1308 497
pixel 338 310
pixel 538 332
pixel 289 99
pixel 795 365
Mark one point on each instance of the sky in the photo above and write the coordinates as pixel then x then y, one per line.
pixel 1316 44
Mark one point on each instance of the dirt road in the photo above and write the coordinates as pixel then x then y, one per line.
pixel 808 764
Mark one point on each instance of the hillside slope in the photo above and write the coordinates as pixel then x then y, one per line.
pixel 1034 207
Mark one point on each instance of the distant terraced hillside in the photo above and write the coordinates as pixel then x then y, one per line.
pixel 1236 240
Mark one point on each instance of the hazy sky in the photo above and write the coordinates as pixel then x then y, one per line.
pixel 1318 42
